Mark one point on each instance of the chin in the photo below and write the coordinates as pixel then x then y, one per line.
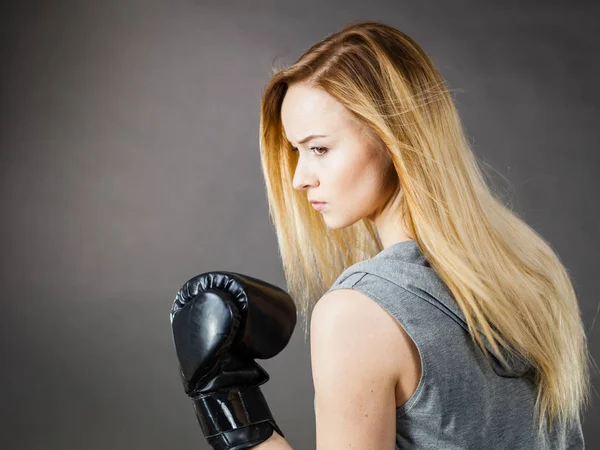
pixel 338 224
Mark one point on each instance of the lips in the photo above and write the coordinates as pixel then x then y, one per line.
pixel 318 205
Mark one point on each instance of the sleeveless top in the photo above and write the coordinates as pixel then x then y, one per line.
pixel 462 401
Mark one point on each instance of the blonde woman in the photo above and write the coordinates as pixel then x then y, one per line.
pixel 438 318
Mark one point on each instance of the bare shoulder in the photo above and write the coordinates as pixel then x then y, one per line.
pixel 353 306
pixel 360 359
pixel 353 318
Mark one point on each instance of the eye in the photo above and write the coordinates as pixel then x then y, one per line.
pixel 320 149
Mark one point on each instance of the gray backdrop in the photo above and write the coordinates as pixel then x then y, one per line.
pixel 130 163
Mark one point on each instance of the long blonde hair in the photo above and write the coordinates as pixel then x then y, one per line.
pixel 505 277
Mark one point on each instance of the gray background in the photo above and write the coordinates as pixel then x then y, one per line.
pixel 130 163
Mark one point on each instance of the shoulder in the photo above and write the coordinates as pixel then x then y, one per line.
pixel 348 318
pixel 355 379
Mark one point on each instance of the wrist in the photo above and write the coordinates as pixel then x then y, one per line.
pixel 235 418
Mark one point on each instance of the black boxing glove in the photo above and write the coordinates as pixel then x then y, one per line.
pixel 221 322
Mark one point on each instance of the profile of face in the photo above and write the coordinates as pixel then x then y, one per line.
pixel 345 168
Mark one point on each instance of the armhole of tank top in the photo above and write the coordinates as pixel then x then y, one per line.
pixel 401 410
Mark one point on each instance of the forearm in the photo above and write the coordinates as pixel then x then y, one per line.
pixel 275 442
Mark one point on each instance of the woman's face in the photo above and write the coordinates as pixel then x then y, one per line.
pixel 346 168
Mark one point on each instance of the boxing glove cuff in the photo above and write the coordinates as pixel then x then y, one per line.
pixel 235 419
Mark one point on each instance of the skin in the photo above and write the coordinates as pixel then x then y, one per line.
pixel 351 171
pixel 348 169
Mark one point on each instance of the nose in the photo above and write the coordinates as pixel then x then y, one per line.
pixel 304 177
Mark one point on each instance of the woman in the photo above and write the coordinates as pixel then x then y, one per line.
pixel 453 324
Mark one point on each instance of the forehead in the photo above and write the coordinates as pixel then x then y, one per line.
pixel 308 110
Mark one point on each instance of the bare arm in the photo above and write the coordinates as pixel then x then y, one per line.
pixel 361 411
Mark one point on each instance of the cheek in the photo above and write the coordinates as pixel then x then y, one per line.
pixel 357 183
pixel 340 174
pixel 369 187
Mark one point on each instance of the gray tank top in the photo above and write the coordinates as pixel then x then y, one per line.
pixel 462 401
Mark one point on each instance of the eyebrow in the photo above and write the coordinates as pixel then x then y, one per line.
pixel 311 137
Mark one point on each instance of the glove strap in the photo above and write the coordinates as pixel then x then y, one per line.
pixel 235 419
